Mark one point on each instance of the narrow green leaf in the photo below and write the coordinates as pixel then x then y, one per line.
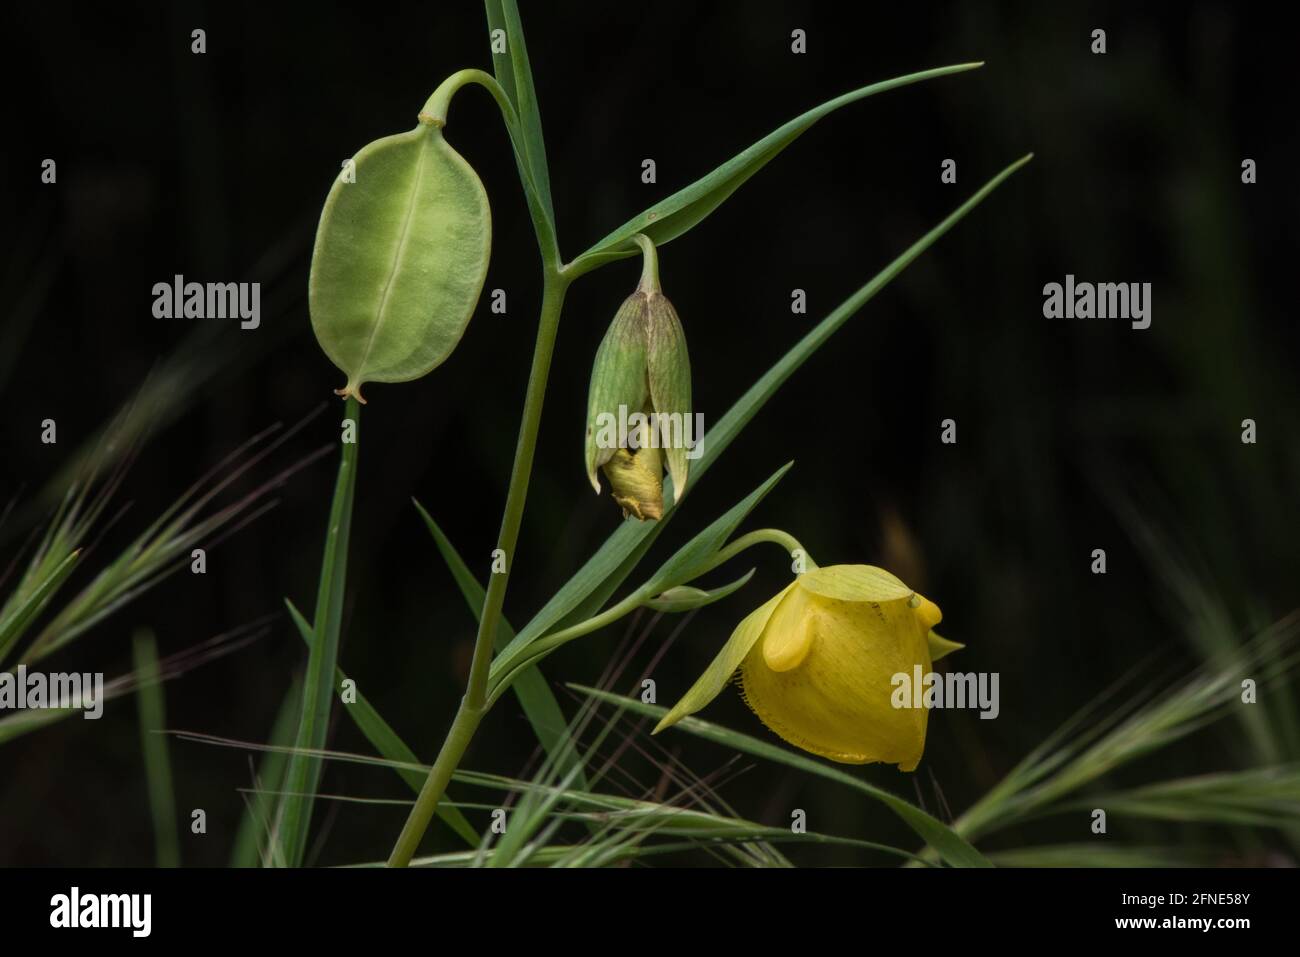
pixel 688 598
pixel 515 75
pixel 153 745
pixel 726 429
pixel 691 557
pixel 947 842
pixel 304 769
pixel 686 562
pixel 501 64
pixel 386 741
pixel 589 589
pixel 675 215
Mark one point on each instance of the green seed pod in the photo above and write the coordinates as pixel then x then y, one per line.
pixel 401 255
pixel 639 402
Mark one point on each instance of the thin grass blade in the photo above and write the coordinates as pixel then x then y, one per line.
pixel 153 745
pixel 15 624
pixel 954 849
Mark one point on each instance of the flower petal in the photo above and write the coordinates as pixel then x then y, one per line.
pixel 669 372
pixel 854 583
pixel 926 611
pixel 941 647
pixel 636 481
pixel 790 633
pixel 838 702
pixel 719 672
pixel 618 378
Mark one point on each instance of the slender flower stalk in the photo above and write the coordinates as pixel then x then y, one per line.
pixel 475 703
pixel 774 535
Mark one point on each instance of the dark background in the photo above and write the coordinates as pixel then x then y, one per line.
pixel 215 166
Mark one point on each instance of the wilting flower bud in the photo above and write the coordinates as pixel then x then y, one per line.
pixel 639 403
pixel 817 665
pixel 636 478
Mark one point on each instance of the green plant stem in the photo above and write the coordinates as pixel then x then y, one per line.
pixel 449 757
pixel 436 107
pixel 773 535
pixel 475 703
pixel 552 302
pixel 649 263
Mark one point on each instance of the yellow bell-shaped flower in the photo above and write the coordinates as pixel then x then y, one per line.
pixel 818 661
